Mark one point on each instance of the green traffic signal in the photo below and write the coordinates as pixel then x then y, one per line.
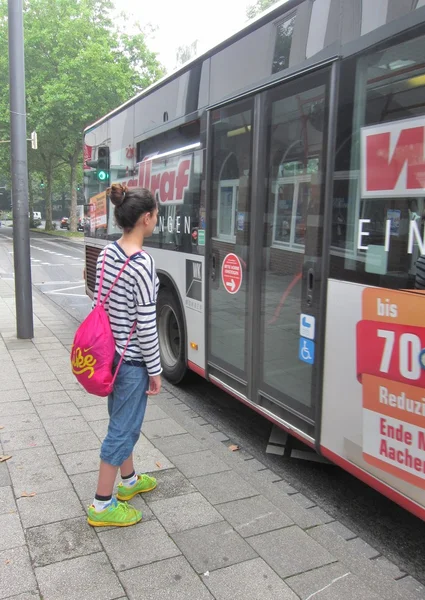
pixel 102 175
pixel 101 164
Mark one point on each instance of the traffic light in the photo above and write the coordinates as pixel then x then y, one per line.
pixel 103 163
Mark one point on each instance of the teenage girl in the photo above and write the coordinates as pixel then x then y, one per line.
pixel 132 300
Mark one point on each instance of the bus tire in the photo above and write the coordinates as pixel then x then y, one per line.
pixel 172 336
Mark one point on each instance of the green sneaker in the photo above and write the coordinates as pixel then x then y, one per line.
pixel 144 484
pixel 117 514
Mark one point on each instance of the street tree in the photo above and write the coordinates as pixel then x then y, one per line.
pixel 79 66
pixel 5 175
pixel 186 52
pixel 258 7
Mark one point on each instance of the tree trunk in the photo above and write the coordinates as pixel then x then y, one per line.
pixel 73 212
pixel 48 199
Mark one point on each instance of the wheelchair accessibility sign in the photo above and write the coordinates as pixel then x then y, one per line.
pixel 306 352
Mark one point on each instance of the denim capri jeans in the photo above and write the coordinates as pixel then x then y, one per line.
pixel 126 407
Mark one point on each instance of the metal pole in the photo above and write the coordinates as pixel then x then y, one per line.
pixel 21 238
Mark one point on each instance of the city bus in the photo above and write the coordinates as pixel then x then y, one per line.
pixel 288 163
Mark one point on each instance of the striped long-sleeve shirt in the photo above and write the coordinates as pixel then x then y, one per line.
pixel 132 298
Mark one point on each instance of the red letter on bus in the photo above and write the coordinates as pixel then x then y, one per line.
pixel 383 170
pixel 182 180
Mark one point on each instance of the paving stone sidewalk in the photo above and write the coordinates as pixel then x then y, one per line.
pixel 220 525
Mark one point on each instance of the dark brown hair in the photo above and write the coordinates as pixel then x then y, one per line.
pixel 130 204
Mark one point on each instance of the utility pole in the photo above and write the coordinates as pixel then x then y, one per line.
pixel 18 129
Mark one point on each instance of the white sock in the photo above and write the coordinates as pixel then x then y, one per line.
pixel 100 505
pixel 129 481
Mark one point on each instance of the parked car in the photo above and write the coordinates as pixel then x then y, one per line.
pixel 65 223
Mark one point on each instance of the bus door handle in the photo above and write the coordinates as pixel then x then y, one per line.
pixel 310 287
pixel 213 267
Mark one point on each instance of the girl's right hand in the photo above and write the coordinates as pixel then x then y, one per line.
pixel 154 385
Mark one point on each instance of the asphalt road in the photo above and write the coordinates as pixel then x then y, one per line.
pixel 57 269
pixel 57 266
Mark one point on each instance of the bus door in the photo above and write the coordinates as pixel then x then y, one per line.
pixel 230 282
pixel 267 201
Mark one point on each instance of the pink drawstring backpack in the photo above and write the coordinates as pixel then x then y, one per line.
pixel 93 350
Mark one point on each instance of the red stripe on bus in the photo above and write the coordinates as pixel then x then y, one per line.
pixel 199 370
pixel 376 484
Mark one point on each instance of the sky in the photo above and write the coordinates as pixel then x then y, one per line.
pixel 181 23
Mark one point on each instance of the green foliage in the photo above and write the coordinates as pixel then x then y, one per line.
pixel 79 66
pixel 186 52
pixel 255 9
pixel 60 233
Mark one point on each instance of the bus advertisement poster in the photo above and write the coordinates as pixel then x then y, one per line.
pixel 391 369
pixel 373 414
pixel 98 215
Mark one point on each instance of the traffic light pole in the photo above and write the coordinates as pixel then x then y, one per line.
pixel 19 167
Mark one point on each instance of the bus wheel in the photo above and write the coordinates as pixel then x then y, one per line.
pixel 172 337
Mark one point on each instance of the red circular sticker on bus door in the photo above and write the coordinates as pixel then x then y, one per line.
pixel 231 273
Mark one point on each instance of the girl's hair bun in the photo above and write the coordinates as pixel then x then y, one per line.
pixel 117 193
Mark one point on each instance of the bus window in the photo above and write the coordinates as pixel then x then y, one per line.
pixel 175 179
pixel 228 199
pixel 282 49
pixel 379 185
pixel 230 221
pixel 182 136
pixel 170 165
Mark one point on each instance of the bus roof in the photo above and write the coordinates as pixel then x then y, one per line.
pixel 246 28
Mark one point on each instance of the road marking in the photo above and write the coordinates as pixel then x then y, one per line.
pixel 55 243
pixel 75 258
pixel 65 294
pixel 42 249
pixel 81 281
pixel 54 253
pixel 65 289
